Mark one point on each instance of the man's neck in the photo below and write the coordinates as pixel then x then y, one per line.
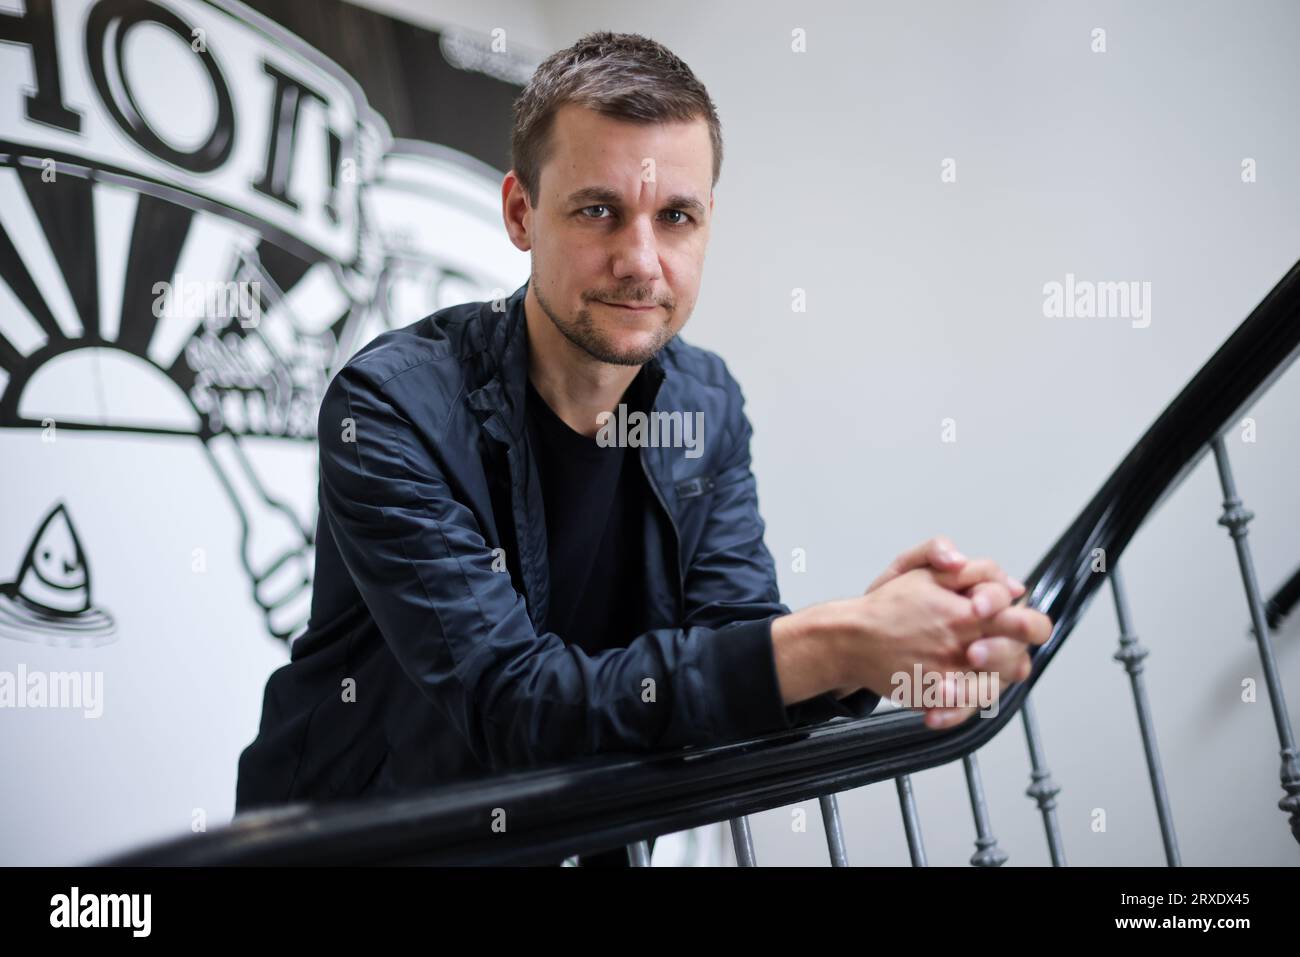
pixel 575 385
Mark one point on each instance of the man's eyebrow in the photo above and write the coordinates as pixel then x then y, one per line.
pixel 607 195
pixel 690 203
pixel 593 194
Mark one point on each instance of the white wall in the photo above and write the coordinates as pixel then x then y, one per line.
pixel 925 301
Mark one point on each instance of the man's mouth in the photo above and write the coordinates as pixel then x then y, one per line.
pixel 633 307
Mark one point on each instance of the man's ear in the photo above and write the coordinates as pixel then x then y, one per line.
pixel 516 211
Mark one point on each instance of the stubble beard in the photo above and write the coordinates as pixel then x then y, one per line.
pixel 581 330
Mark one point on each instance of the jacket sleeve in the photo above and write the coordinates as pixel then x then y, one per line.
pixel 732 577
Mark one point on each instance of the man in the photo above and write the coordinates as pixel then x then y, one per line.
pixel 505 579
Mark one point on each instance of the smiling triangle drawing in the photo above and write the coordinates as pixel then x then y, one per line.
pixel 49 601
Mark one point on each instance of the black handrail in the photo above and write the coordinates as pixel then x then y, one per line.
pixel 611 800
pixel 1283 601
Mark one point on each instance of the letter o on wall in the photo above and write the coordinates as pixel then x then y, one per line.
pixel 106 31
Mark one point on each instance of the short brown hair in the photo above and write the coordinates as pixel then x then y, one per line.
pixel 622 75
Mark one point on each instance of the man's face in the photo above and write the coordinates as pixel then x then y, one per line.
pixel 622 216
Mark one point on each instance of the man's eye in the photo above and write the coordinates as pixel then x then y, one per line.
pixel 686 217
pixel 586 209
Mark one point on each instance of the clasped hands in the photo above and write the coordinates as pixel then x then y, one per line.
pixel 935 608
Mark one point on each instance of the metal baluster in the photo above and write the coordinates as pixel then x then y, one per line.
pixel 911 822
pixel 987 853
pixel 638 854
pixel 742 841
pixel 1235 518
pixel 1043 789
pixel 834 832
pixel 1131 655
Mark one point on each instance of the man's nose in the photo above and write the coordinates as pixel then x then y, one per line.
pixel 636 253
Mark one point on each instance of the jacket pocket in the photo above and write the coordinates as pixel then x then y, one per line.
pixel 695 487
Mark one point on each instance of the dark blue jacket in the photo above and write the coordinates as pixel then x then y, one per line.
pixel 424 662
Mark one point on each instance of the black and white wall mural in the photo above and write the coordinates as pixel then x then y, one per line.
pixel 205 209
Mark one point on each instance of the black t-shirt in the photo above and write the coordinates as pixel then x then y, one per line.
pixel 595 499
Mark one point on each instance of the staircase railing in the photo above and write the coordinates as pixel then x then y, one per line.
pixel 545 816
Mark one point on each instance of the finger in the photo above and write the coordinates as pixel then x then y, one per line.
pixel 997 654
pixel 972 573
pixel 1020 623
pixel 1026 669
pixel 964 625
pixel 989 598
pixel 939 718
pixel 985 569
pixel 938 552
pixel 1011 668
